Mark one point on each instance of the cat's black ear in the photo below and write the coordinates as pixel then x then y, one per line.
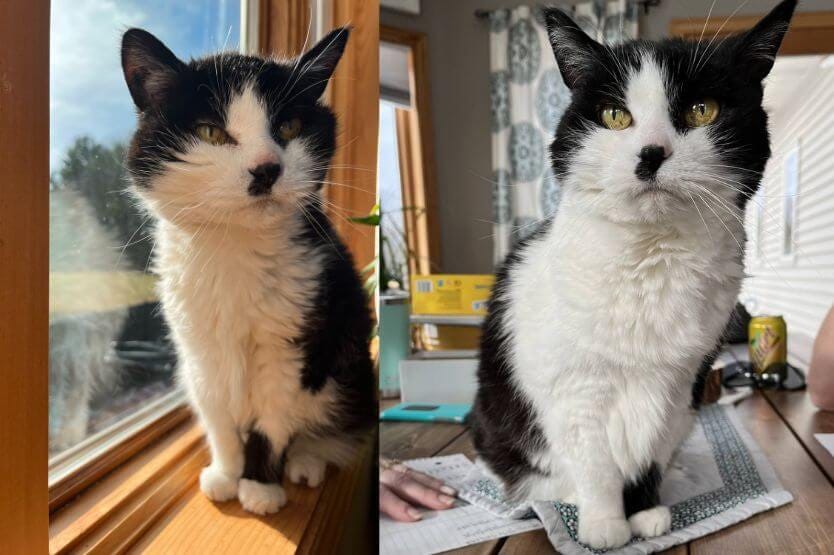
pixel 757 48
pixel 150 68
pixel 317 65
pixel 575 51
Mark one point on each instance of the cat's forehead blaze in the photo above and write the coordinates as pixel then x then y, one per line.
pixel 247 114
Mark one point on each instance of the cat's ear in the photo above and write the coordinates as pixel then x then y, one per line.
pixel 317 65
pixel 150 68
pixel 576 52
pixel 757 48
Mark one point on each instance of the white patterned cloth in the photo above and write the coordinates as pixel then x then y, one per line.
pixel 719 477
pixel 528 98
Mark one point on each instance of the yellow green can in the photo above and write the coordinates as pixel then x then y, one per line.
pixel 768 344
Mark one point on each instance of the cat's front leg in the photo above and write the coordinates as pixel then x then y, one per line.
pixel 219 480
pixel 259 497
pixel 599 487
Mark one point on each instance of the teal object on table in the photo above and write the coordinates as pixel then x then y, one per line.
pixel 394 341
pixel 426 412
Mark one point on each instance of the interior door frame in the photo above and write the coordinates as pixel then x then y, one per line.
pixel 415 145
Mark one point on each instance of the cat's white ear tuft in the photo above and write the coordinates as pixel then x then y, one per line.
pixel 150 68
pixel 318 64
pixel 757 47
pixel 575 51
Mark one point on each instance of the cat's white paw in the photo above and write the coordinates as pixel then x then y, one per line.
pixel 217 485
pixel 260 498
pixel 651 522
pixel 604 533
pixel 305 467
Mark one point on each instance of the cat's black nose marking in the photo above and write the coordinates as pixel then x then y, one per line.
pixel 263 177
pixel 651 157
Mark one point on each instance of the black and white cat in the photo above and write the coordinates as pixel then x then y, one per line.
pixel 266 310
pixel 601 322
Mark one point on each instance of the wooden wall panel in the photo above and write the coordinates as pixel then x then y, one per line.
pixel 809 33
pixel 24 267
pixel 284 26
pixel 354 96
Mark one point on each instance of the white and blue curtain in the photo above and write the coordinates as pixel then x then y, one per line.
pixel 528 98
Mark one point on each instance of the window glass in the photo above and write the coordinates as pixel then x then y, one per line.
pixel 108 352
pixel 393 246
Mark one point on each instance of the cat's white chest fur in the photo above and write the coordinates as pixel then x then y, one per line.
pixel 236 301
pixel 610 323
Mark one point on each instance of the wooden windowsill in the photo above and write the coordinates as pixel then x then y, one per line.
pixel 152 504
pixel 111 455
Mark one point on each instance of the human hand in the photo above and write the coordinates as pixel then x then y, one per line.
pixel 402 490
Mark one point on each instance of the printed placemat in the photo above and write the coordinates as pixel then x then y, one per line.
pixel 719 477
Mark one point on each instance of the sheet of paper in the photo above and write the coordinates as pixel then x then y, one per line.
pixel 827 441
pixel 443 530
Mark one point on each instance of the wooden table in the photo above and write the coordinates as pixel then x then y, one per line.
pixel 782 423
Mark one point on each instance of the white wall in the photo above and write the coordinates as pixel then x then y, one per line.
pixel 799 96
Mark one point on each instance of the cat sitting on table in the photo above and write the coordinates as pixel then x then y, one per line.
pixel 602 321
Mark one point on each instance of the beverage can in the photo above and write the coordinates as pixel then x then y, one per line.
pixel 768 344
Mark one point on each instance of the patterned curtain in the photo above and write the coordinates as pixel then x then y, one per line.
pixel 528 98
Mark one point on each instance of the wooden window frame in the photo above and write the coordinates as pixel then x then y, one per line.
pixel 117 453
pixel 115 498
pixel 415 146
pixel 809 32
pixel 138 471
pixel 24 271
pixel 128 442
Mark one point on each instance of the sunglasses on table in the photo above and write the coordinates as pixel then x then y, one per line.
pixel 742 374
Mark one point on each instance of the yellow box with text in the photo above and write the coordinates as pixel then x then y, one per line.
pixel 451 294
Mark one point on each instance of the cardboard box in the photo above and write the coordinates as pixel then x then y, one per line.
pixel 451 294
pixel 439 381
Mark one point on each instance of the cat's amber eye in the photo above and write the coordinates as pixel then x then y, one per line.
pixel 290 129
pixel 700 113
pixel 212 134
pixel 615 117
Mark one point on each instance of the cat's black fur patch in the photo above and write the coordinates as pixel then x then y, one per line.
pixel 337 332
pixel 503 427
pixel 700 384
pixel 642 493
pixel 262 464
